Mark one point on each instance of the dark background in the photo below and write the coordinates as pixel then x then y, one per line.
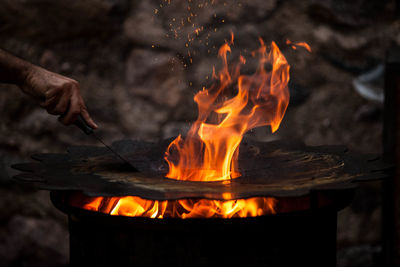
pixel 138 80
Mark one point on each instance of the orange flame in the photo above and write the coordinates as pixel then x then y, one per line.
pixel 210 150
pixel 302 44
pixel 184 208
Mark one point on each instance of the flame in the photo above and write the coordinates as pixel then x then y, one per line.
pixel 233 105
pixel 302 44
pixel 133 206
pixel 210 150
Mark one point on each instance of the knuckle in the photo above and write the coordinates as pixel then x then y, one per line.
pixel 66 87
pixel 74 85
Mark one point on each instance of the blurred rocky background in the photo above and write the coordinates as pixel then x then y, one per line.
pixel 139 64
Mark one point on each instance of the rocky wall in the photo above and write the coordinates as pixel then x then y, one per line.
pixel 139 64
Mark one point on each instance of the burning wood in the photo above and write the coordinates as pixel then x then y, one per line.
pixel 183 208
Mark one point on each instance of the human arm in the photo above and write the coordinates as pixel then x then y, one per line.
pixel 58 94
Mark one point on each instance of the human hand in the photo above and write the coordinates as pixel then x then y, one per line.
pixel 58 94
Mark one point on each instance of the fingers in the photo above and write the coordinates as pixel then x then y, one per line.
pixel 57 104
pixel 61 96
pixel 88 119
pixel 73 112
pixel 77 107
pixel 50 103
pixel 61 106
pixel 52 92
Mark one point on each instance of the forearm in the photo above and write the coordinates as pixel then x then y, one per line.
pixel 12 69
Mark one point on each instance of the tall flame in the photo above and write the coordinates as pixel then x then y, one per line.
pixel 210 150
pixel 232 106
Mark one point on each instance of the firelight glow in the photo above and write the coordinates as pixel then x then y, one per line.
pixel 210 150
pixel 233 105
pixel 132 206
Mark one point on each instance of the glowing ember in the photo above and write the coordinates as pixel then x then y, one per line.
pixel 210 150
pixel 183 208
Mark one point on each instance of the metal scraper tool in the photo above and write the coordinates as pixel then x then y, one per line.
pixel 81 124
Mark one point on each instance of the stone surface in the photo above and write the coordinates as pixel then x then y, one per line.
pixel 27 241
pixel 350 13
pixel 56 19
pixel 139 115
pixel 155 76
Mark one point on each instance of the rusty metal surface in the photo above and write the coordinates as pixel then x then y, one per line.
pixel 279 169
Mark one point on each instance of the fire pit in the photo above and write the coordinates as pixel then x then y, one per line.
pixel 303 187
pixel 272 204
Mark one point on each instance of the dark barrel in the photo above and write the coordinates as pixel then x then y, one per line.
pixel 296 238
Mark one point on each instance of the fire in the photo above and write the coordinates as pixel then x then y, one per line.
pixel 210 150
pixel 302 44
pixel 133 206
pixel 233 105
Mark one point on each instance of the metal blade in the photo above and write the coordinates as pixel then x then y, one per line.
pixel 81 124
pixel 113 151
